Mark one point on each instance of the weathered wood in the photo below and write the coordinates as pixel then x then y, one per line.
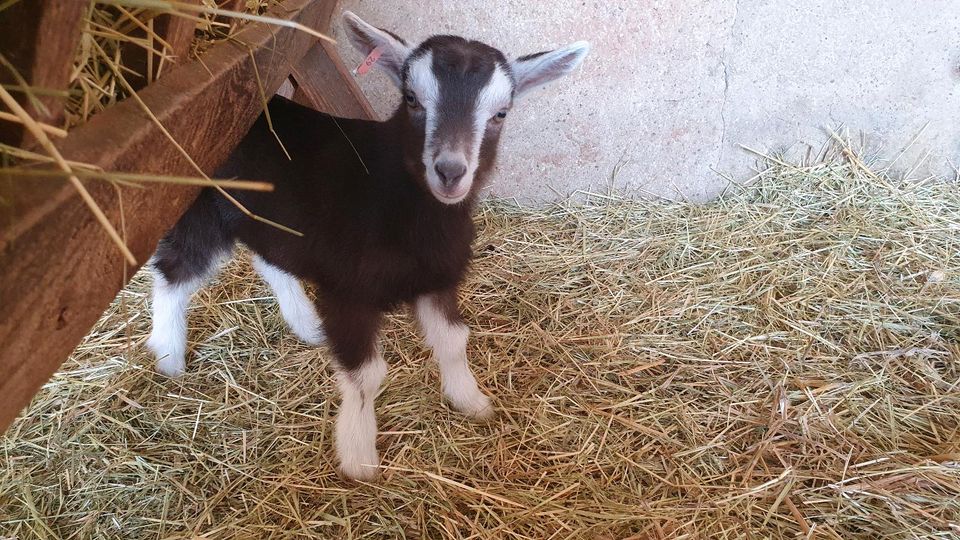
pixel 58 269
pixel 147 65
pixel 312 74
pixel 39 38
pixel 230 5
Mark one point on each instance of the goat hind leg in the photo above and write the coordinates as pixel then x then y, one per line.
pixel 297 309
pixel 189 254
pixel 168 337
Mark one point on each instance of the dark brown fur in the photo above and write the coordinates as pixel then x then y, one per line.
pixel 371 241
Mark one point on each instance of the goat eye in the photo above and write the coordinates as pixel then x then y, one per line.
pixel 499 116
pixel 411 100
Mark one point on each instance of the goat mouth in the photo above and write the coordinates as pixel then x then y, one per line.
pixel 451 198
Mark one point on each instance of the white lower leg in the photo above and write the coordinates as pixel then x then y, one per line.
pixel 295 305
pixel 356 430
pixel 168 338
pixel 449 343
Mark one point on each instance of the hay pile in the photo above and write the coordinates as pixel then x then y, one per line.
pixel 783 363
pixel 109 29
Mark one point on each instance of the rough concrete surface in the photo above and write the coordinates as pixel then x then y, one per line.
pixel 671 89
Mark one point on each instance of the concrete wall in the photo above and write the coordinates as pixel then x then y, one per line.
pixel 672 88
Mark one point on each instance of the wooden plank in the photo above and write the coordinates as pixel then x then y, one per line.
pixel 40 38
pixel 230 5
pixel 148 65
pixel 58 269
pixel 320 65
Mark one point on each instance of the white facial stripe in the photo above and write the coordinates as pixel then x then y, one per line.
pixel 423 82
pixel 494 96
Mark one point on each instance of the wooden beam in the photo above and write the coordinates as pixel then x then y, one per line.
pixel 230 5
pixel 147 65
pixel 319 65
pixel 39 38
pixel 58 269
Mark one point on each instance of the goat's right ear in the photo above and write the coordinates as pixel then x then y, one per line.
pixel 366 37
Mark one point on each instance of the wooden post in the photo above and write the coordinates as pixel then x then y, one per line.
pixel 230 5
pixel 311 75
pixel 176 31
pixel 39 38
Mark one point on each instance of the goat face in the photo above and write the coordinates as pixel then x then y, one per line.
pixel 457 93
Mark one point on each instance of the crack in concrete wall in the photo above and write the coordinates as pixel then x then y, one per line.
pixel 724 62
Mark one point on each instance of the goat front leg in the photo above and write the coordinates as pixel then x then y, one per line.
pixel 352 333
pixel 445 332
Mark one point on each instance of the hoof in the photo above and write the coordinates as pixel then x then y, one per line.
pixel 477 407
pixel 169 364
pixel 171 367
pixel 359 468
pixel 315 337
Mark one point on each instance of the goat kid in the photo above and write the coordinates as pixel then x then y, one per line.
pixel 384 224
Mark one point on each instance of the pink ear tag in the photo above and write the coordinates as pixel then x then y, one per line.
pixel 369 61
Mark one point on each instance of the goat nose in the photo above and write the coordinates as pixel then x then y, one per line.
pixel 450 171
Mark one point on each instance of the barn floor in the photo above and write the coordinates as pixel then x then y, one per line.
pixel 783 363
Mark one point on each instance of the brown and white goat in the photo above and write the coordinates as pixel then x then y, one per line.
pixel 386 224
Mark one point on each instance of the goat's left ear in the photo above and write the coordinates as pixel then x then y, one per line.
pixel 366 37
pixel 535 70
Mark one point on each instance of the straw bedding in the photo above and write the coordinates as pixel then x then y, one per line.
pixel 782 363
pixel 110 30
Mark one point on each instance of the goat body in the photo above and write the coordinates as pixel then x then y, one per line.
pixel 374 240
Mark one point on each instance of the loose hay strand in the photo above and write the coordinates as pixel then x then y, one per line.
pixel 47 128
pixel 177 8
pixel 85 170
pixel 781 363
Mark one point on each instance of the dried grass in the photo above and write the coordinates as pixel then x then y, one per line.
pixel 782 363
pixel 111 26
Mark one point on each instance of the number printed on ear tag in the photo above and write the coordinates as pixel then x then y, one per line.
pixel 369 61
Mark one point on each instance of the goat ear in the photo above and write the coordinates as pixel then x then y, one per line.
pixel 535 70
pixel 366 37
